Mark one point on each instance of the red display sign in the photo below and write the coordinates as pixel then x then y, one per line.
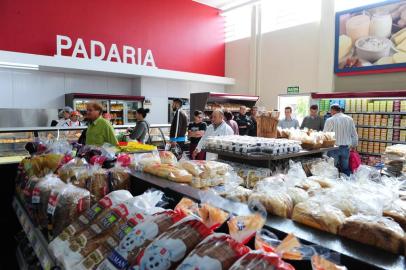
pixel 178 35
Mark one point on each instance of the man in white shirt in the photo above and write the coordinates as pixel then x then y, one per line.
pixel 346 137
pixel 218 128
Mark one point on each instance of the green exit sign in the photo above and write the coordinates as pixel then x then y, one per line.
pixel 293 89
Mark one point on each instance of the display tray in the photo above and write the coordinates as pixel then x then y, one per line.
pixel 264 156
pixel 34 235
pixel 353 253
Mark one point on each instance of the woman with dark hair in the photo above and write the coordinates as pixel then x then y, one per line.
pixel 233 124
pixel 141 129
pixel 196 130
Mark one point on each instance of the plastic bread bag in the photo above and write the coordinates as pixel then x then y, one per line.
pixel 136 239
pixel 297 195
pixel 172 246
pixel 295 173
pixel 28 192
pixel 84 243
pixel 325 169
pixel 260 260
pixel 119 178
pixel 381 232
pixel 40 197
pixel 98 184
pixel 144 159
pixel 397 211
pixel 167 157
pixel 59 147
pixel 321 263
pixel 243 228
pixel 217 251
pixel 86 218
pixel 66 171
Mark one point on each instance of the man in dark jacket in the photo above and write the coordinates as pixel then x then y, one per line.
pixel 179 124
pixel 244 121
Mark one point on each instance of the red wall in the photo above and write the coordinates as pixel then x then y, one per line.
pixel 183 35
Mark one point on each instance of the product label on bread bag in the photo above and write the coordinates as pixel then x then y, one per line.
pixel 81 205
pixel 35 195
pixel 52 202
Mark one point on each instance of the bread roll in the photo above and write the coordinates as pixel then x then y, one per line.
pixel 323 217
pixel 279 204
pixel 376 231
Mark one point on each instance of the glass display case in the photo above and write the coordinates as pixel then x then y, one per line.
pixel 13 140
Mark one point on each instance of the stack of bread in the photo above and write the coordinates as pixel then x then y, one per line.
pixel 370 212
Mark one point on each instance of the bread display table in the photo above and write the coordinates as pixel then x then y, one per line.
pixel 354 255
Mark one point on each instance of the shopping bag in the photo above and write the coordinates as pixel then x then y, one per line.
pixel 355 160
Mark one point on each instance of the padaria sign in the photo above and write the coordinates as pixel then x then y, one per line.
pixel 98 51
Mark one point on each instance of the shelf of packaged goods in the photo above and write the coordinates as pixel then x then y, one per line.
pixel 352 253
pixel 390 113
pixel 34 235
pixel 370 153
pixel 263 156
pixel 382 127
pixel 382 141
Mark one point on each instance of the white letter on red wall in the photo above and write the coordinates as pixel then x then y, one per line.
pixel 128 52
pixel 60 45
pixel 80 49
pixel 149 59
pixel 113 53
pixel 93 45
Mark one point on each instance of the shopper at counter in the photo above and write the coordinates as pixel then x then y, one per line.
pixel 73 121
pixel 196 131
pixel 64 116
pixel 179 124
pixel 253 130
pixel 99 130
pixel 313 121
pixel 141 129
pixel 229 117
pixel 288 121
pixel 346 137
pixel 218 128
pixel 244 121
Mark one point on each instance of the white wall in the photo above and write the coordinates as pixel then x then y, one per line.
pixel 43 89
pixel 159 90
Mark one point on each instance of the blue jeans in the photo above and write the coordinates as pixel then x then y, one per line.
pixel 341 158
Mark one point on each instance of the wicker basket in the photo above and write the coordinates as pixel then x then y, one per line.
pixel 311 146
pixel 327 144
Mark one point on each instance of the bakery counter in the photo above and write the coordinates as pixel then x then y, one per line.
pixel 353 254
pixel 11 159
pixel 265 160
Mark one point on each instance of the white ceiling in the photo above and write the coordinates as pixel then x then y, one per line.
pixel 222 4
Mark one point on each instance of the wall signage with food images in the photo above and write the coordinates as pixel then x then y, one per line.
pixel 96 50
pixel 371 39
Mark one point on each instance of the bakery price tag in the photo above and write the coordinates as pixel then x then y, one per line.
pixel 293 90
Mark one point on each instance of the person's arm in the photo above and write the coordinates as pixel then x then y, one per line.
pixel 190 133
pixel 354 135
pixel 302 126
pixel 174 126
pixel 110 136
pixel 328 126
pixel 203 140
pixel 235 128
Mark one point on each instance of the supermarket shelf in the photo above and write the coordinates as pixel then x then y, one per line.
pixel 382 127
pixel 352 252
pixel 259 156
pixel 22 264
pixel 116 110
pixel 390 113
pixel 371 154
pixel 383 141
pixel 34 235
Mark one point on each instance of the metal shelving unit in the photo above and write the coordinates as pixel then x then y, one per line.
pixel 34 235
pixel 382 127
pixel 370 153
pixel 382 141
pixel 390 113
